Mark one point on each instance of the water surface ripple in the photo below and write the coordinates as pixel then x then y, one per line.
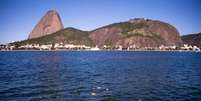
pixel 96 76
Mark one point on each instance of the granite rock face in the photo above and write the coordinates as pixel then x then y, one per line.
pixel 49 24
pixel 139 32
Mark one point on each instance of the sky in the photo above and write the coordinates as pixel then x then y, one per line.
pixel 18 17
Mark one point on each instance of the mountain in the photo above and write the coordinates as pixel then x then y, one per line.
pixel 192 39
pixel 67 36
pixel 49 24
pixel 139 32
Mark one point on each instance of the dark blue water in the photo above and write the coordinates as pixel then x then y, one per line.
pixel 95 76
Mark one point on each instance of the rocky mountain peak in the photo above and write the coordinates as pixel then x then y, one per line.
pixel 50 23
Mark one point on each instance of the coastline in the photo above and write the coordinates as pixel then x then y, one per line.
pixel 99 51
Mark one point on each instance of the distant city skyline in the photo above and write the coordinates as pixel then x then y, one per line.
pixel 19 17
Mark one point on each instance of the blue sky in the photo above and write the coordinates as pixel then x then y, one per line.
pixel 18 17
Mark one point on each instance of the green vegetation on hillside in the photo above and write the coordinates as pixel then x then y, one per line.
pixel 67 36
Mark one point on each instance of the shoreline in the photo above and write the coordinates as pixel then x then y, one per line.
pixel 99 50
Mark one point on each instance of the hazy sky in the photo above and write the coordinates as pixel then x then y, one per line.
pixel 18 17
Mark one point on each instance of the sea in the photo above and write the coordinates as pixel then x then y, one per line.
pixel 100 76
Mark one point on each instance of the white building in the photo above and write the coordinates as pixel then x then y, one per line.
pixel 95 48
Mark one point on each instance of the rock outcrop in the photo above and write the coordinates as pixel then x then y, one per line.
pixel 139 32
pixel 49 24
pixel 192 39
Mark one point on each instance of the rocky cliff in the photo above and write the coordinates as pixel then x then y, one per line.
pixel 139 32
pixel 192 39
pixel 49 24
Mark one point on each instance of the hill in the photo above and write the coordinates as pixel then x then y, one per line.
pixel 68 35
pixel 192 39
pixel 135 32
pixel 139 32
